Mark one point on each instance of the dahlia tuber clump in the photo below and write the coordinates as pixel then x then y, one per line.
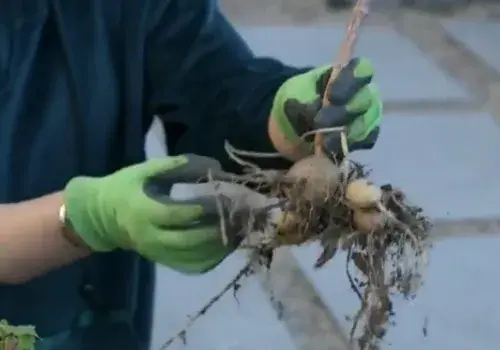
pixel 336 205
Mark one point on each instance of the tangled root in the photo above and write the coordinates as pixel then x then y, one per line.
pixel 385 237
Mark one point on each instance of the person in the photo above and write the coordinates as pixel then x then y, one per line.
pixel 82 221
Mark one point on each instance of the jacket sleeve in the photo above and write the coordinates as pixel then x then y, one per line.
pixel 222 91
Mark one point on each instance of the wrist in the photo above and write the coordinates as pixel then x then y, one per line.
pixel 84 214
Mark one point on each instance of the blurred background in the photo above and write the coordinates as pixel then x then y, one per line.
pixel 438 66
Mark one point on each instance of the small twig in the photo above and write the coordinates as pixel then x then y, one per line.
pixel 247 269
pixel 359 12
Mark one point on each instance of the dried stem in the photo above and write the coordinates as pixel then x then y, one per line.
pixel 346 49
pixel 181 335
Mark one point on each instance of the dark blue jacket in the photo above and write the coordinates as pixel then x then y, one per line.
pixel 80 82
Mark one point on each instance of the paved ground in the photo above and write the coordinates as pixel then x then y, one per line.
pixel 440 79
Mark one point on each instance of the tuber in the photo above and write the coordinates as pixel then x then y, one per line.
pixel 319 175
pixel 367 221
pixel 362 194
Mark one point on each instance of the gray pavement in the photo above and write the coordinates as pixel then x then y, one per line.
pixel 440 79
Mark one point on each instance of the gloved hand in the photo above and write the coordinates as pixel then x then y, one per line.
pixel 355 103
pixel 131 209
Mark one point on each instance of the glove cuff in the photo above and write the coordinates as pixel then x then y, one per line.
pixel 82 210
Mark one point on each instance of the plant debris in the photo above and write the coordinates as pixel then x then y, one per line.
pixel 388 256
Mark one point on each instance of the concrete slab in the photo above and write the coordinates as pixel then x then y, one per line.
pixel 402 70
pixel 479 36
pixel 445 162
pixel 458 301
pixel 248 324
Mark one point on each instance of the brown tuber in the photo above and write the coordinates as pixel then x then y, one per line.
pixel 367 221
pixel 362 194
pixel 319 175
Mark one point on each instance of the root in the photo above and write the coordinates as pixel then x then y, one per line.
pixel 234 151
pixel 233 154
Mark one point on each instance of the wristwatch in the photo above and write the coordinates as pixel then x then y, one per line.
pixel 67 229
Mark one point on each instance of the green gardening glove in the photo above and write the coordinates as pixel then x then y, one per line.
pixel 131 209
pixel 355 104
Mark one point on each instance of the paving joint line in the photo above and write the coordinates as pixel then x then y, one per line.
pixel 309 321
pixel 460 106
pixel 467 227
pixel 454 57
